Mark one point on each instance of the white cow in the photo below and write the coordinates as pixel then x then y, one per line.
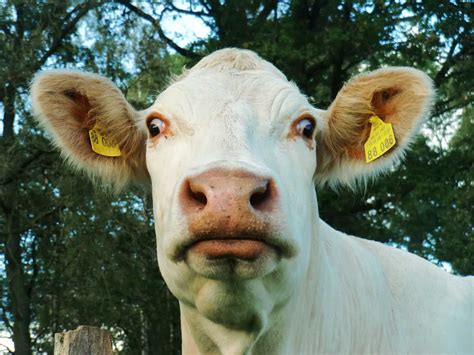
pixel 233 150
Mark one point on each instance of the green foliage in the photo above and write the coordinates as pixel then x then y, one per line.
pixel 102 268
pixel 73 254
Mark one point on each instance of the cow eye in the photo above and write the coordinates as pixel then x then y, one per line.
pixel 305 128
pixel 156 126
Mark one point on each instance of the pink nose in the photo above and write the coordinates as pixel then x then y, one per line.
pixel 230 204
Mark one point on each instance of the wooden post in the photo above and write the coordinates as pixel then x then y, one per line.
pixel 84 340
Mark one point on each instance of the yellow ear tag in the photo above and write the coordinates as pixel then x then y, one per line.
pixel 101 144
pixel 381 139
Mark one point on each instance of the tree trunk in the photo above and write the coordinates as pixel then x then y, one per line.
pixel 17 288
pixel 8 110
pixel 19 297
pixel 84 340
pixel 338 73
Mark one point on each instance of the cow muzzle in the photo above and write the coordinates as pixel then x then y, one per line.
pixel 232 215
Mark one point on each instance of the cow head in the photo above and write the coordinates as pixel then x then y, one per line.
pixel 233 150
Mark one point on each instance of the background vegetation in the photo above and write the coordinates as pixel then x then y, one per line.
pixel 71 255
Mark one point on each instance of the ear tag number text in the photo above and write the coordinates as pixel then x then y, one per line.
pixel 101 144
pixel 380 140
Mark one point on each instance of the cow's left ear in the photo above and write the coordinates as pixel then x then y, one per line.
pixel 398 95
pixel 92 123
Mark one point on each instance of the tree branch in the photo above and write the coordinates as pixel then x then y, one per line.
pixel 440 110
pixel 8 99
pixel 351 64
pixel 337 68
pixel 183 51
pixel 34 222
pixel 31 283
pixel 5 318
pixel 21 167
pixel 205 5
pixel 314 14
pixel 173 7
pixel 447 63
pixel 81 9
pixel 267 9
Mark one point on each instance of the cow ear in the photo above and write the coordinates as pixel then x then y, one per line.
pixel 69 104
pixel 400 96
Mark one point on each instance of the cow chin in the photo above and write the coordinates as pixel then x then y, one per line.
pixel 235 305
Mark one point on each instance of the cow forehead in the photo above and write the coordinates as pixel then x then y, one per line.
pixel 207 94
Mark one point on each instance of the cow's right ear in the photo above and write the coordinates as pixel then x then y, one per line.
pixel 69 104
pixel 399 97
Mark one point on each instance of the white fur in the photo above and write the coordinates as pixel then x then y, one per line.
pixel 338 294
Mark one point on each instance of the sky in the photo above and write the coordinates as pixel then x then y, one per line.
pixel 185 28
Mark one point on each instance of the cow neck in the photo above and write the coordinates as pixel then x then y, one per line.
pixel 278 331
pixel 344 298
pixel 349 300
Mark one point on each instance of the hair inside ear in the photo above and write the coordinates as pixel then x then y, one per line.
pixel 382 103
pixel 80 109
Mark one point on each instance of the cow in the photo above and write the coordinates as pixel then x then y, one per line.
pixel 233 151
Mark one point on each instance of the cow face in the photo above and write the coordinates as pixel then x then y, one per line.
pixel 232 169
pixel 232 149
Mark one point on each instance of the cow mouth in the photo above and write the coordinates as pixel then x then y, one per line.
pixel 244 247
pixel 234 257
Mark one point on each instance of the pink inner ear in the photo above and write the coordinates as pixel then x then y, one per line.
pixel 356 154
pixel 80 109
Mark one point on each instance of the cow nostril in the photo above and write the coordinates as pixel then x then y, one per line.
pixel 261 198
pixel 195 195
pixel 199 197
